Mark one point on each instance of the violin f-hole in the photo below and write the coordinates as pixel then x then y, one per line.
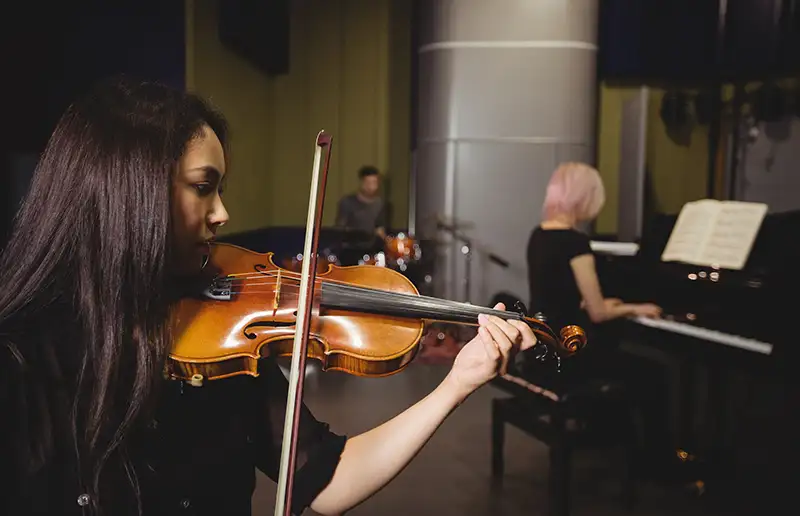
pixel 247 331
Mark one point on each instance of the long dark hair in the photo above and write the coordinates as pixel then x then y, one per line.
pixel 85 297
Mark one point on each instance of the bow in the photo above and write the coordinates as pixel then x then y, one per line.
pixel 308 277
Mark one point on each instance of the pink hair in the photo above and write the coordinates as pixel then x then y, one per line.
pixel 575 189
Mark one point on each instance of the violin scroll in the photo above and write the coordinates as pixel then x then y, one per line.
pixel 573 339
pixel 569 341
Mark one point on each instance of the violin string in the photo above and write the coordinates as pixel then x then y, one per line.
pixel 374 298
pixel 289 275
pixel 446 317
pixel 378 295
pixel 414 301
pixel 239 281
pixel 426 307
pixel 284 273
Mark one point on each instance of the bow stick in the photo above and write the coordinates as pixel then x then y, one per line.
pixel 283 505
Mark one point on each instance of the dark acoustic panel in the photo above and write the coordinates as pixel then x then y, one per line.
pixel 699 40
pixel 258 30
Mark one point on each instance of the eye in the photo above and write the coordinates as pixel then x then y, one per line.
pixel 203 188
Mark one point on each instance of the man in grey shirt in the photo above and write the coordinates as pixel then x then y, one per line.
pixel 364 210
pixel 364 213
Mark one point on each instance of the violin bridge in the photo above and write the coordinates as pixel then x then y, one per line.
pixel 277 302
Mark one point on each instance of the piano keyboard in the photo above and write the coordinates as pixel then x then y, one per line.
pixel 615 248
pixel 727 339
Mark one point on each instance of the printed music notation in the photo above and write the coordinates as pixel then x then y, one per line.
pixel 715 233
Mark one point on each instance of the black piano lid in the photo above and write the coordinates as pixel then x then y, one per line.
pixel 751 303
pixel 774 260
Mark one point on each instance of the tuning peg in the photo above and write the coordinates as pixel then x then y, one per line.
pixel 520 308
pixel 539 316
pixel 540 352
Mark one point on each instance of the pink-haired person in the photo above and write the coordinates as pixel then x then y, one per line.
pixel 561 267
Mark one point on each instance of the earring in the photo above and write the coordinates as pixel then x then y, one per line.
pixel 206 256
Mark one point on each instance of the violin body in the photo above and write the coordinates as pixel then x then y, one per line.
pixel 365 320
pixel 225 333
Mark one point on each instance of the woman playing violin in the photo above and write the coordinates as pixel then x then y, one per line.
pixel 120 212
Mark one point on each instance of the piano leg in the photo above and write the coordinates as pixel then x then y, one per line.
pixel 729 440
pixel 683 459
pixel 701 408
pixel 687 403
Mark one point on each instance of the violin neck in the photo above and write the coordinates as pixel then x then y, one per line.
pixel 367 300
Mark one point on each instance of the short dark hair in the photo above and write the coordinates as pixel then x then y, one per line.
pixel 367 170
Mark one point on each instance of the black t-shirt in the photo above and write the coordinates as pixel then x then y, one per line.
pixel 198 455
pixel 552 286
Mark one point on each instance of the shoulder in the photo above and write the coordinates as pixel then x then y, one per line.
pixel 569 242
pixel 559 236
pixel 577 243
pixel 536 234
pixel 577 237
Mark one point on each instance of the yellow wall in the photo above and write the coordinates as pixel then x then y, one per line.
pixel 349 74
pixel 678 168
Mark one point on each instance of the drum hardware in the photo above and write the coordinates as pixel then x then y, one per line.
pixel 325 258
pixel 377 259
pixel 467 251
pixel 401 250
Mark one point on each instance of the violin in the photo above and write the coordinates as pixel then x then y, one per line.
pixel 363 320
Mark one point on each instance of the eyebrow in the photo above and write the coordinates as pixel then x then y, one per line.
pixel 211 171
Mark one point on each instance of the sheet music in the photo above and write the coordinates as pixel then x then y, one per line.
pixel 693 226
pixel 729 243
pixel 715 233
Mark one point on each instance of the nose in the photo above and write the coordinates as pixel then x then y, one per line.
pixel 218 216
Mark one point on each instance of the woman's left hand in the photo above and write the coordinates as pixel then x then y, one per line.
pixel 488 354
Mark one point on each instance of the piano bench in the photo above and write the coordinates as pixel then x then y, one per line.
pixel 560 425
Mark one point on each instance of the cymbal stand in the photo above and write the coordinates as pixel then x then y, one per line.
pixel 466 250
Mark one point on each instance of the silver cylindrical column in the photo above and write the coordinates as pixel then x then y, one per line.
pixel 507 90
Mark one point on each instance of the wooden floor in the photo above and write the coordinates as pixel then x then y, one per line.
pixel 451 474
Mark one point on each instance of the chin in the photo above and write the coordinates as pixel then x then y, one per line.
pixel 190 264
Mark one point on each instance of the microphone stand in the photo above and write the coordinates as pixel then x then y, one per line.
pixel 457 333
pixel 466 250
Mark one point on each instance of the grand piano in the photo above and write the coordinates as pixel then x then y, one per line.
pixel 734 334
pixel 745 314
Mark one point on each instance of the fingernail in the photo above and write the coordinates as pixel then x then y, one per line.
pixel 482 318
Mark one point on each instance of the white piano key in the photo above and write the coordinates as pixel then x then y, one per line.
pixel 706 334
pixel 615 248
